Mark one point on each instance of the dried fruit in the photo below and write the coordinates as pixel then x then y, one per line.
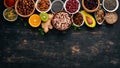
pixel 72 5
pixel 78 19
pixel 43 5
pixel 91 4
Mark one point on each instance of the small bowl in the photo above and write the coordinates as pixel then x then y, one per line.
pixel 111 17
pixel 77 24
pixel 22 14
pixel 88 10
pixel 54 2
pixel 39 9
pixel 13 4
pixel 13 11
pixel 113 9
pixel 58 26
pixel 99 23
pixel 79 6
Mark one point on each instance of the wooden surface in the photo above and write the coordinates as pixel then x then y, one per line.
pixel 86 48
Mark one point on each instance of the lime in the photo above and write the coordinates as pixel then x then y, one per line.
pixel 44 16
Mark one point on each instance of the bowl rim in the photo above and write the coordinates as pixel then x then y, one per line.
pixel 21 14
pixel 103 19
pixel 56 1
pixel 107 18
pixel 76 24
pixel 113 9
pixel 62 29
pixel 79 6
pixel 88 10
pixel 8 6
pixel 7 18
pixel 42 11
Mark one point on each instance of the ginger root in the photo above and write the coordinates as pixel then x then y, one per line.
pixel 47 25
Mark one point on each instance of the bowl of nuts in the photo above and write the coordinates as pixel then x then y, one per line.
pixel 61 21
pixel 43 5
pixel 25 8
pixel 99 16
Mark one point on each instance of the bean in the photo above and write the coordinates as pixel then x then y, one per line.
pixel 25 7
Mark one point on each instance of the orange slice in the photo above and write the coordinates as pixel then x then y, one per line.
pixel 34 20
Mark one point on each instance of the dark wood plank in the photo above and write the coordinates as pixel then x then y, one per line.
pixel 86 48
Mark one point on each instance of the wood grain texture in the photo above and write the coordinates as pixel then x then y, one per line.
pixel 86 48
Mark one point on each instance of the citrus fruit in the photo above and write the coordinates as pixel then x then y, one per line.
pixel 44 16
pixel 34 20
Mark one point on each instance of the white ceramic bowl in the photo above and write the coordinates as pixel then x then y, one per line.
pixel 76 24
pixel 73 12
pixel 113 9
pixel 100 23
pixel 40 10
pixel 54 2
pixel 7 18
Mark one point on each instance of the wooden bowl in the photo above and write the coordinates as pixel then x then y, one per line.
pixel 88 10
pixel 26 9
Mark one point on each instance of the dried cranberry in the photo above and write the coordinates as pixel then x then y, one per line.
pixel 72 6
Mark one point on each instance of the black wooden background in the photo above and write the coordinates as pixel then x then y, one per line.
pixel 22 46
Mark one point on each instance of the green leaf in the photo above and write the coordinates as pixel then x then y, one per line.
pixel 79 28
pixel 76 28
pixel 41 31
pixel 25 24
